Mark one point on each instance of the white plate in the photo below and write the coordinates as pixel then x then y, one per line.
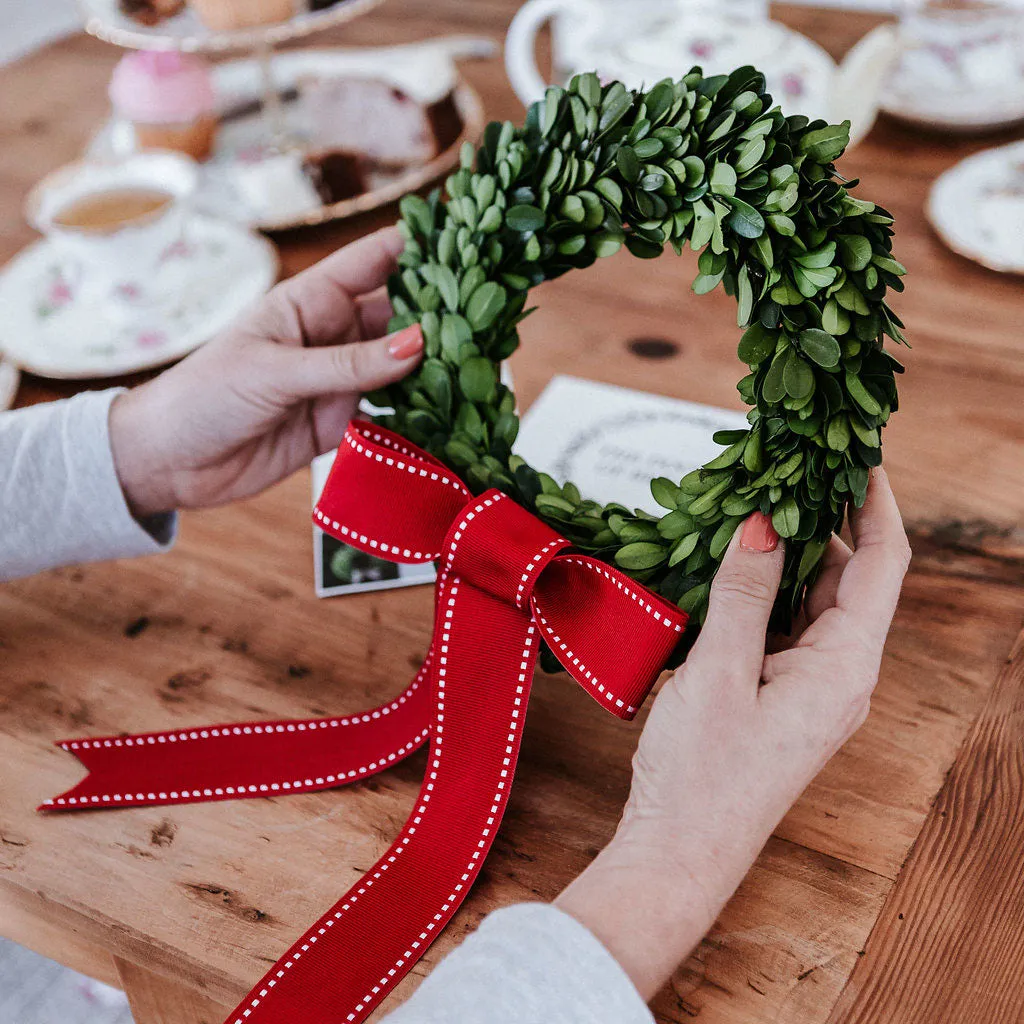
pixel 51 327
pixel 977 208
pixel 185 31
pixel 9 378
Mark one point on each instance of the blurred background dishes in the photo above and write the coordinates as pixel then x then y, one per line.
pixel 961 67
pixel 351 130
pixel 214 25
pixel 977 208
pixel 645 42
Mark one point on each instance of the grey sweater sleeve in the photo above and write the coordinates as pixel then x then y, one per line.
pixel 60 500
pixel 526 964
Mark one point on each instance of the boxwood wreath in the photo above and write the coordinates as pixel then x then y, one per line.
pixel 707 161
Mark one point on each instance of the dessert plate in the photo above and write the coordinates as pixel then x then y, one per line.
pixel 54 325
pixel 977 208
pixel 260 183
pixel 105 20
pixel 9 378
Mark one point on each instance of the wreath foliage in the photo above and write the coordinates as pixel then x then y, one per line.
pixel 704 161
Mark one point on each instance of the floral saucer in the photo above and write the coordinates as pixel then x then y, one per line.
pixel 977 208
pixel 53 325
pixel 9 377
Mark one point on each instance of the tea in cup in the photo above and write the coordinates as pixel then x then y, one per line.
pixel 111 223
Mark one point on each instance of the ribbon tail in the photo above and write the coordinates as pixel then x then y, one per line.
pixel 350 959
pixel 246 759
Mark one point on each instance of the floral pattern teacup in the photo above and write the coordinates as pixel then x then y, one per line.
pixel 114 263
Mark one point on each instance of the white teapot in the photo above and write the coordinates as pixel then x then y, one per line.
pixel 643 41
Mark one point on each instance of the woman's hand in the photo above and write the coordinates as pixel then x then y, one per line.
pixel 267 396
pixel 735 736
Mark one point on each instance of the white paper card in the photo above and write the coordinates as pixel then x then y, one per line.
pixel 611 441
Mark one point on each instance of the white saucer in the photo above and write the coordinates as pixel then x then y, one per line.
pixel 977 208
pixel 9 378
pixel 50 327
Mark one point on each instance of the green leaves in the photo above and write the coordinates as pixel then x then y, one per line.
pixel 723 180
pixel 744 219
pixel 855 251
pixel 628 164
pixel 774 387
pixel 665 492
pixel 821 347
pixel 708 162
pixel 524 218
pixel 860 394
pixel 455 333
pixel 616 104
pixel 756 345
pixel 786 517
pixel 484 305
pixel 640 556
pixel 647 148
pixel 416 213
pixel 609 190
pixel 797 377
pixel 826 144
pixel 477 379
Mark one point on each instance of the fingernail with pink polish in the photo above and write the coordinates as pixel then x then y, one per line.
pixel 406 343
pixel 758 534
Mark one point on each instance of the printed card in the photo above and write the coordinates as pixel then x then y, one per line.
pixel 611 441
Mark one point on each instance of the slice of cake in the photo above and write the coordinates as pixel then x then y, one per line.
pixel 377 119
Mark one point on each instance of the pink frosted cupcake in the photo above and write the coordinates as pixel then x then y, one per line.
pixel 168 98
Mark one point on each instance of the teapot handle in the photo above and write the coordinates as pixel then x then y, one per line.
pixel 520 43
pixel 860 79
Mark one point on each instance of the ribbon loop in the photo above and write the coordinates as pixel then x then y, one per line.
pixel 505 579
pixel 611 634
pixel 415 496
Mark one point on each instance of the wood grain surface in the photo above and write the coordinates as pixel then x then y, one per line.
pixel 949 943
pixel 158 1000
pixel 225 627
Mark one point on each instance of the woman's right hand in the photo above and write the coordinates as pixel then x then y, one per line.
pixel 735 736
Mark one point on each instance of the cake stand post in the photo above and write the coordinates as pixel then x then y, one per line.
pixel 273 107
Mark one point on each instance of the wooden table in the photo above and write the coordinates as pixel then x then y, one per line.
pixel 893 891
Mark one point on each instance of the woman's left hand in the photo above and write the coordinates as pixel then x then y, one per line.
pixel 271 393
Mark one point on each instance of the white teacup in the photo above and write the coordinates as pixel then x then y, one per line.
pixel 118 261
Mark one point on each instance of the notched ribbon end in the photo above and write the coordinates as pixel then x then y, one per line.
pixel 72 799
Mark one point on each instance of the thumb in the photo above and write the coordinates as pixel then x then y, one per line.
pixel 742 595
pixel 355 367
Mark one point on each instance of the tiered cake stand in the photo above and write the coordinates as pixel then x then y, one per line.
pixel 276 77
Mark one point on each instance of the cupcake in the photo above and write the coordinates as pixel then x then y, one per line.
pixel 168 98
pixel 150 12
pixel 227 15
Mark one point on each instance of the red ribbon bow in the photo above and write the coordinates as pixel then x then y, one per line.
pixel 504 581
